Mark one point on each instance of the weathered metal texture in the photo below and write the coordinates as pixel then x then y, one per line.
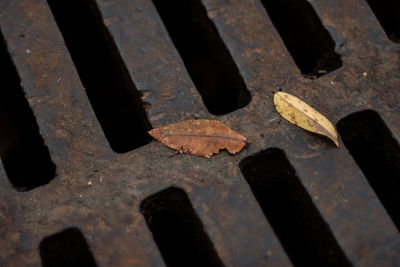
pixel 107 212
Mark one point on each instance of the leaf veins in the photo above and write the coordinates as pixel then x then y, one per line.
pixel 199 137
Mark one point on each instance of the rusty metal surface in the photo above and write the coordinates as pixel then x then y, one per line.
pixel 107 212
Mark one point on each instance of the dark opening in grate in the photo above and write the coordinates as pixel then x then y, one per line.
pixel 111 92
pixel 388 14
pixel 207 59
pixel 309 43
pixel 375 150
pixel 66 249
pixel 25 157
pixel 303 233
pixel 177 230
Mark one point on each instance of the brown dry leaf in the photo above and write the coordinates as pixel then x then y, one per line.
pixel 199 137
pixel 299 113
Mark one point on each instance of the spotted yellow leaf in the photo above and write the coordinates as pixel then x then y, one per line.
pixel 301 114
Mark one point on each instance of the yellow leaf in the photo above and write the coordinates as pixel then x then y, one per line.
pixel 299 113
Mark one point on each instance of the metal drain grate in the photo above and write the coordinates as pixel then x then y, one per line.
pixel 83 80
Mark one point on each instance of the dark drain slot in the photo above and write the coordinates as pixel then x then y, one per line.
pixel 377 153
pixel 177 230
pixel 207 59
pixel 66 249
pixel 388 14
pixel 303 233
pixel 309 43
pixel 112 93
pixel 25 157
